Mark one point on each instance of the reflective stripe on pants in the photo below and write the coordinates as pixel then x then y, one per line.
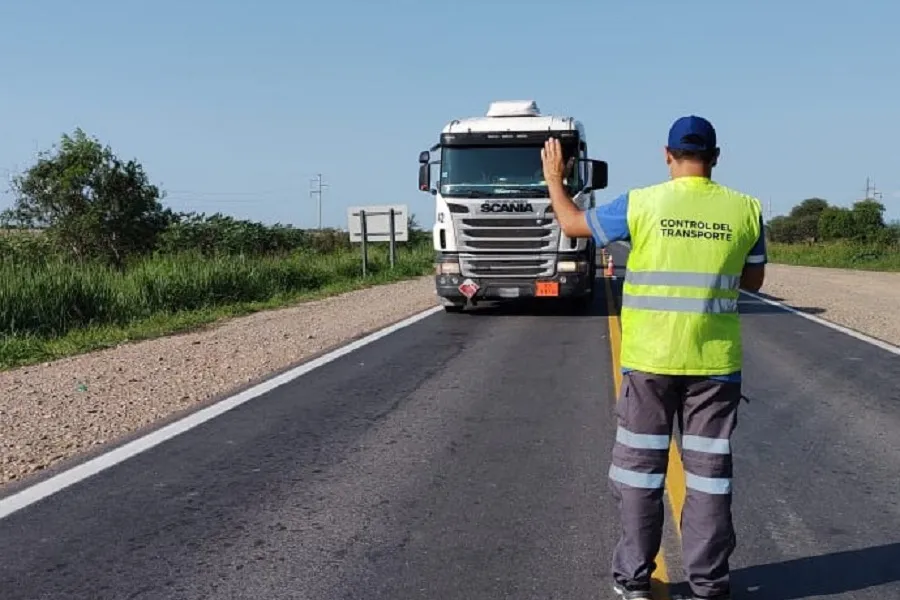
pixel 646 410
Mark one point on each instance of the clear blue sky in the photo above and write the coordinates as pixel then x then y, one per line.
pixel 234 105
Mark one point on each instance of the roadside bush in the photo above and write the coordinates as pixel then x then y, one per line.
pixel 840 254
pixel 52 299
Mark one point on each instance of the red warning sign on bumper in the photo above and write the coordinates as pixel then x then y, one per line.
pixel 468 288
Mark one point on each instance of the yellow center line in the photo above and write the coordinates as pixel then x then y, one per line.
pixel 675 485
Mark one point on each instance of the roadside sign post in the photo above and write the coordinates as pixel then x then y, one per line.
pixel 365 249
pixel 393 237
pixel 387 223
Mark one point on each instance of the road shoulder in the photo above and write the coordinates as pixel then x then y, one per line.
pixel 864 301
pixel 53 412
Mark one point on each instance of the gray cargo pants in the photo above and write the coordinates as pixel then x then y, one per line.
pixel 706 409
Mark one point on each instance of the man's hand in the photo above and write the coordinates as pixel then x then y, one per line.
pixel 752 277
pixel 552 157
pixel 571 218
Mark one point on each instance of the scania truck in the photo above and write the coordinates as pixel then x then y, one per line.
pixel 495 235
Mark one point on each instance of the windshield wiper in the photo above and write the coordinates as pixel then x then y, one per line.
pixel 524 192
pixel 467 193
pixel 528 192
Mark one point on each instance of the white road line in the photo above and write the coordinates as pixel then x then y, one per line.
pixel 852 333
pixel 84 470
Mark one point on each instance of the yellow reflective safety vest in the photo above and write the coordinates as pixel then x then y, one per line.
pixel 690 238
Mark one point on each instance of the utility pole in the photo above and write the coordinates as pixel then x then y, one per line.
pixel 875 194
pixel 317 191
pixel 871 189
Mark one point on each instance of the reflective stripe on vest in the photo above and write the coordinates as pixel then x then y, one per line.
pixel 714 281
pixel 691 305
pixel 703 280
pixel 690 239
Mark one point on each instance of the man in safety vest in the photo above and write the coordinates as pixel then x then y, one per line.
pixel 694 243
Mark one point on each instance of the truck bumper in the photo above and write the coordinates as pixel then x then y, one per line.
pixel 563 285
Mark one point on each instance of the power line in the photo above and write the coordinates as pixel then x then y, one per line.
pixel 317 191
pixel 187 200
pixel 230 193
pixel 225 197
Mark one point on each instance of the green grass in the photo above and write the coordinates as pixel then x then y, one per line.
pixel 840 255
pixel 57 310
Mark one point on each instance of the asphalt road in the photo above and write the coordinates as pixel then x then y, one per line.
pixel 465 457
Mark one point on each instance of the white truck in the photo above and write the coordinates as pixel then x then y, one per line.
pixel 495 234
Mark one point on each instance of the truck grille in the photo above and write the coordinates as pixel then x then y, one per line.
pixel 507 246
pixel 507 266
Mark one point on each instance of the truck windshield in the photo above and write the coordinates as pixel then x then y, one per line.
pixel 498 170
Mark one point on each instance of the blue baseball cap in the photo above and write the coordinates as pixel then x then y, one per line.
pixel 692 133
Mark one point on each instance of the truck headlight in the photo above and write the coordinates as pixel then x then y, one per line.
pixel 447 268
pixel 571 266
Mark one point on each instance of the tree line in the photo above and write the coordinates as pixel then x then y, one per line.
pixel 91 206
pixel 815 220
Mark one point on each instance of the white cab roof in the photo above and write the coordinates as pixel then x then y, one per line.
pixel 513 115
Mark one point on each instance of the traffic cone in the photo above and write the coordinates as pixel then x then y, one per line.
pixel 610 272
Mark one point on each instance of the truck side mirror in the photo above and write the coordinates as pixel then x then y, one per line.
pixel 424 177
pixel 599 177
pixel 424 157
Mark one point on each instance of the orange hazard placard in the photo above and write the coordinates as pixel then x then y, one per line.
pixel 547 288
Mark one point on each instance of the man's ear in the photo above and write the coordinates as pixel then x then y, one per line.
pixel 667 155
pixel 715 159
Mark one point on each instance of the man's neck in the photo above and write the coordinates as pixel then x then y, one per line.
pixel 692 174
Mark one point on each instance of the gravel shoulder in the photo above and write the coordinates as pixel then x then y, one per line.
pixel 866 301
pixel 54 411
